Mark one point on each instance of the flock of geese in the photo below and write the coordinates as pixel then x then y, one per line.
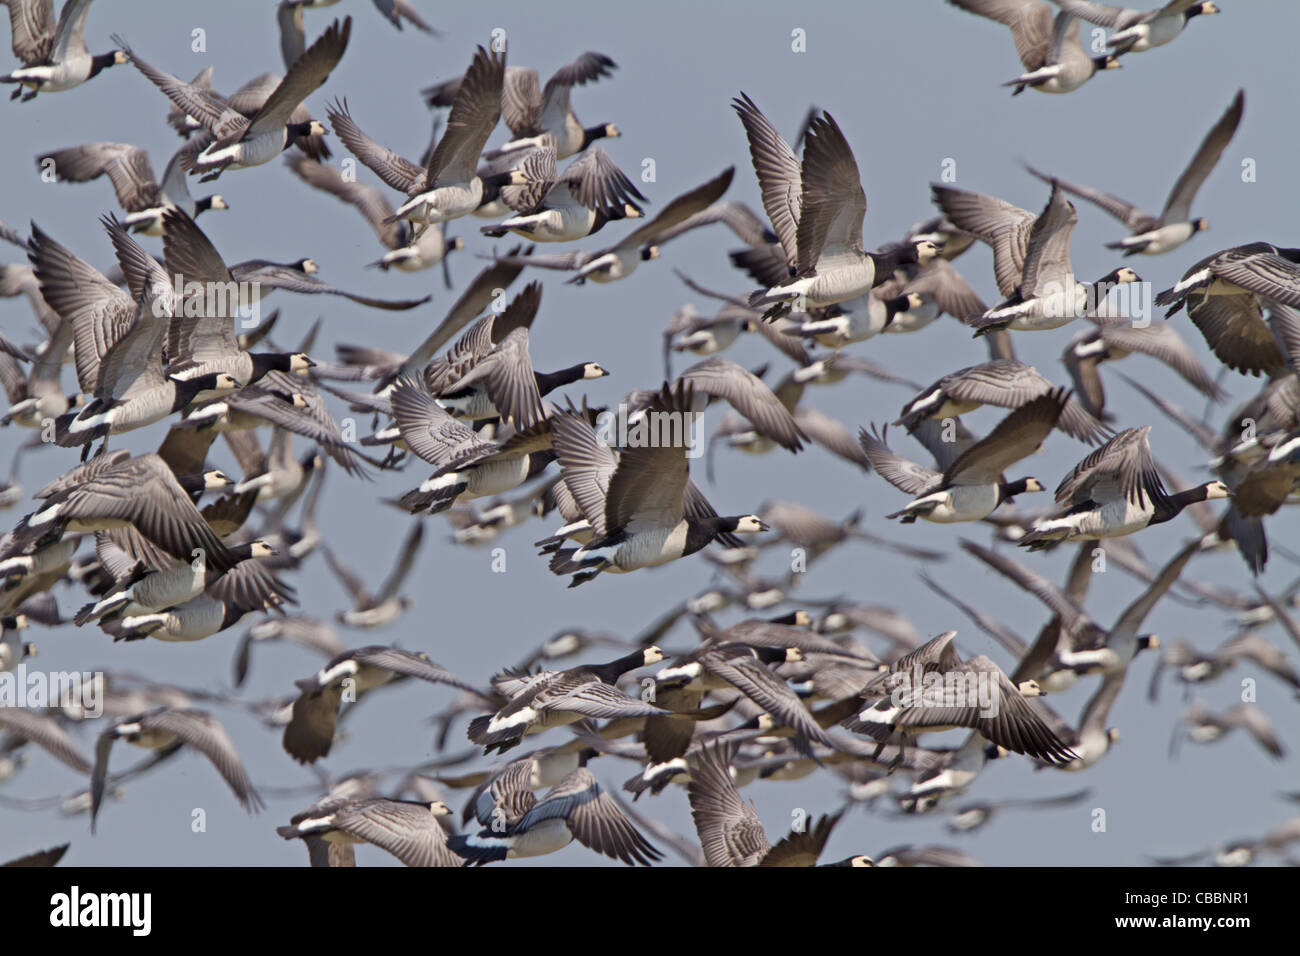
pixel 166 547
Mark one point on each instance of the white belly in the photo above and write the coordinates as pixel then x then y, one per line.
pixel 612 266
pixel 962 503
pixel 546 837
pixel 444 202
pixel 1162 240
pixel 497 477
pixel 554 225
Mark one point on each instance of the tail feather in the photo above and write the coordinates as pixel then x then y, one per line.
pixel 86 614
pixel 562 562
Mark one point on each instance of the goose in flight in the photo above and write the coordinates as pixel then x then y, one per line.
pixel 240 141
pixel 1031 258
pixel 138 190
pixel 972 486
pixel 54 56
pixel 1113 492
pixel 1049 48
pixel 1137 31
pixel 1153 235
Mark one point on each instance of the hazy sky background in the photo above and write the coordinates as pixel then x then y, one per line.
pixel 911 84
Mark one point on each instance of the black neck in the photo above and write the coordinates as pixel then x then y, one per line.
pixel 294 130
pixel 1172 505
pixel 264 362
pixel 1010 489
pixel 770 655
pixel 591 134
pixel 187 389
pixel 242 552
pixel 232 616
pixel 886 263
pixel 700 532
pixel 101 62
pixel 894 306
pixel 617 668
pixel 549 381
pixel 192 483
pixel 791 619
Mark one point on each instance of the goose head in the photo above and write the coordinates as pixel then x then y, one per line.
pixel 439 809
pixel 925 250
pixel 800 618
pixel 1201 225
pixel 996 752
pixel 1108 62
pixel 1216 489
pixel 1120 276
pixel 1030 688
pixel 1023 486
pixel 261 549
pixel 746 524
pixel 649 252
pixel 215 479
pixel 592 370
pixel 902 303
pixel 651 655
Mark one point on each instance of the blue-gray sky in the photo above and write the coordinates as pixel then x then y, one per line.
pixel 912 84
